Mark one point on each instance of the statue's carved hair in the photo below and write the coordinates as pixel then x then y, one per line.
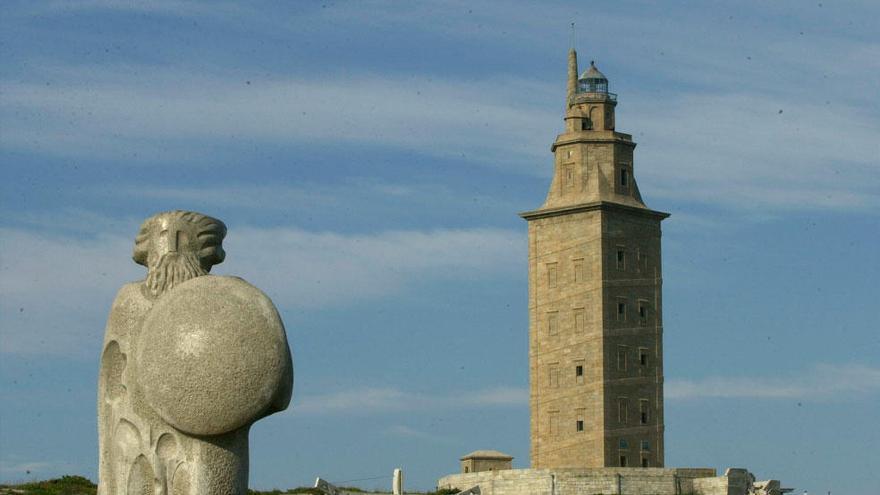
pixel 209 232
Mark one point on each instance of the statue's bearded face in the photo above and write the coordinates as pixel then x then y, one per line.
pixel 173 255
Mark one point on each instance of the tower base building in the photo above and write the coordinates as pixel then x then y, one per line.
pixel 618 481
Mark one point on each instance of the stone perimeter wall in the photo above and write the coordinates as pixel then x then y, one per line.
pixel 606 481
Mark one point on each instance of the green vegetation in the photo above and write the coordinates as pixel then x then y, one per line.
pixel 77 485
pixel 65 485
pixel 303 490
pixel 444 491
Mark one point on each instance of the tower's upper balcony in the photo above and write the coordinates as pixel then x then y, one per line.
pixel 592 86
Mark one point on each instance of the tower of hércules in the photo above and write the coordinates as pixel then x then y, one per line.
pixel 595 326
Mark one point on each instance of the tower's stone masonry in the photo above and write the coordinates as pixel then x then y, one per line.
pixel 595 337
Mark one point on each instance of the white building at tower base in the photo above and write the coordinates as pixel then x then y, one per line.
pixel 611 481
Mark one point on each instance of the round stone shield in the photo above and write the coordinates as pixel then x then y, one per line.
pixel 212 355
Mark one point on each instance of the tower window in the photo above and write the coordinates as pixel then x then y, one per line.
pixel 552 275
pixel 579 372
pixel 553 322
pixel 586 125
pixel 643 313
pixel 643 356
pixel 579 425
pixel 579 317
pixel 622 444
pixel 646 446
pixel 621 357
pixel 623 461
pixel 643 412
pixel 553 375
pixel 568 154
pixel 569 175
pixel 621 259
pixel 645 462
pixel 621 310
pixel 622 410
pixel 578 266
pixel 643 262
pixel 624 178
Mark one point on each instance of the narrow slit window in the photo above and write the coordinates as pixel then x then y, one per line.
pixel 643 313
pixel 644 412
pixel 578 266
pixel 579 372
pixel 621 357
pixel 579 316
pixel 621 310
pixel 643 357
pixel 624 178
pixel 552 275
pixel 553 322
pixel 579 425
pixel 623 461
pixel 621 259
pixel 622 410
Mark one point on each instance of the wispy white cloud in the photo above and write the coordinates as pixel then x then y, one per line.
pixel 733 150
pixel 56 290
pixel 369 400
pixel 706 115
pixel 351 193
pixel 316 269
pixel 733 50
pixel 822 382
pixel 140 113
pixel 754 152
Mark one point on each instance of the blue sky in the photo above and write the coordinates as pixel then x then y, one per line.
pixel 369 159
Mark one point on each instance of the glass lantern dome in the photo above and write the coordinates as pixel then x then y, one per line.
pixel 592 81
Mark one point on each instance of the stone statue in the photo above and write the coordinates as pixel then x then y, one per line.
pixel 190 361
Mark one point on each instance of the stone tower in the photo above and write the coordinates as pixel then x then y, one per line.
pixel 595 327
